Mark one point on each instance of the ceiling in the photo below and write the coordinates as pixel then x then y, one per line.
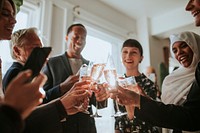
pixel 161 14
pixel 149 8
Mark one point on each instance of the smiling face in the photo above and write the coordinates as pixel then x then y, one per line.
pixel 76 40
pixel 131 57
pixel 194 7
pixel 183 53
pixel 7 21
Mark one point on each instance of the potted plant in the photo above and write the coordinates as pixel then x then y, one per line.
pixel 18 4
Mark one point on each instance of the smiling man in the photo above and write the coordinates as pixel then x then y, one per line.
pixel 194 7
pixel 63 67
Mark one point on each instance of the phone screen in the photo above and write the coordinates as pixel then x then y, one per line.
pixel 36 60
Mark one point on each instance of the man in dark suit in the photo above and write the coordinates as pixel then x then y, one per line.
pixel 51 117
pixel 62 67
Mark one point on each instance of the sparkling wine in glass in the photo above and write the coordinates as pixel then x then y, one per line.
pixel 96 73
pixel 110 75
pixel 84 74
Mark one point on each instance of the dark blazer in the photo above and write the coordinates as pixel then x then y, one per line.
pixel 12 72
pixel 58 69
pixel 45 119
pixel 185 117
pixel 10 120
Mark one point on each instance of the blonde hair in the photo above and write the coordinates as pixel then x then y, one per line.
pixel 19 36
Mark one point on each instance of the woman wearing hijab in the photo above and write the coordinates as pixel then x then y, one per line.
pixel 185 48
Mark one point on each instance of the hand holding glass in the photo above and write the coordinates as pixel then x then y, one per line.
pixel 84 74
pixel 96 73
pixel 110 75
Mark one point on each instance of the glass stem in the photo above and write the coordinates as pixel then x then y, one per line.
pixel 117 106
pixel 96 107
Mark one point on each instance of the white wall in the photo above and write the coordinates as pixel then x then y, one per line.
pixel 171 21
pixel 115 19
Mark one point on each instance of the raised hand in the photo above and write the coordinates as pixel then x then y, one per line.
pixel 102 92
pixel 126 96
pixel 77 96
pixel 23 95
pixel 68 83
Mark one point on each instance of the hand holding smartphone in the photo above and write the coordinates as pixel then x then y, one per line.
pixel 36 60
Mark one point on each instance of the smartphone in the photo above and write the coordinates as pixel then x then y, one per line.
pixel 36 60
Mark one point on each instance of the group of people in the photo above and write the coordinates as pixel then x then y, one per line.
pixel 24 108
pixel 180 90
pixel 19 106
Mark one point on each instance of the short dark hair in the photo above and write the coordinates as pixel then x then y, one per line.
pixel 1 4
pixel 73 25
pixel 133 43
pixel 11 2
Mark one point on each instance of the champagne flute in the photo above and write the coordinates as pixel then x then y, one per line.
pixel 84 74
pixel 96 73
pixel 110 75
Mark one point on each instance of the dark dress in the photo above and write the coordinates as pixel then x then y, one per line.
pixel 124 125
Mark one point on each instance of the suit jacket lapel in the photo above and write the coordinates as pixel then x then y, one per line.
pixel 67 67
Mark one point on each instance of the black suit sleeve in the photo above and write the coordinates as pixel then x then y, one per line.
pixel 184 117
pixel 47 118
pixel 9 76
pixel 52 92
pixel 10 120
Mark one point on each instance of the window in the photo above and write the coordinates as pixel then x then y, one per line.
pixel 97 49
pixel 26 15
pixel 22 21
